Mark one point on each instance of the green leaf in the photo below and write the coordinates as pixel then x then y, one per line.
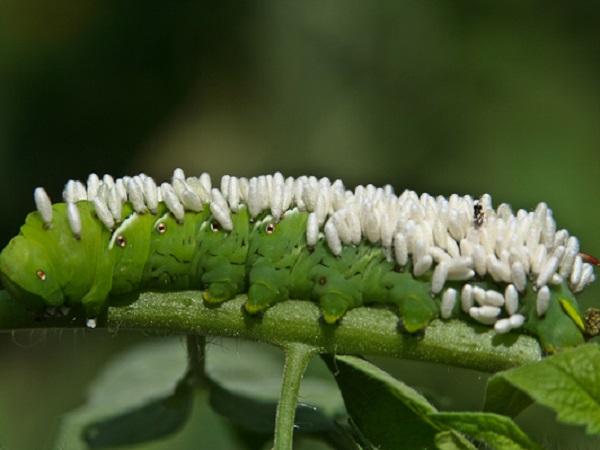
pixel 154 420
pixel 259 416
pixel 246 384
pixel 388 413
pixel 205 429
pixel 142 375
pixel 130 384
pixel 568 383
pixel 357 436
pixel 502 398
pixel 498 432
pixel 451 440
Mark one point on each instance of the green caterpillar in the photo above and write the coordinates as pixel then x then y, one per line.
pixel 276 239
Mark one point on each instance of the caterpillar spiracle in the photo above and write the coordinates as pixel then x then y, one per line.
pixel 277 238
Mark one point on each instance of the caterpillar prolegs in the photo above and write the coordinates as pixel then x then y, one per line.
pixel 278 238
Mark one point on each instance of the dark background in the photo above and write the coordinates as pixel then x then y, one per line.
pixel 433 96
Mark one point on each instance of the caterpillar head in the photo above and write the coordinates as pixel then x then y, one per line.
pixel 27 273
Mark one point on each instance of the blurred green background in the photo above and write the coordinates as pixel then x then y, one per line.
pixel 499 97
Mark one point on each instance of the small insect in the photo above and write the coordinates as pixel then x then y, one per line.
pixel 478 214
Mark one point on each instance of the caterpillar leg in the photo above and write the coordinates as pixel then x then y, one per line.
pixel 333 307
pixel 218 293
pixel 260 297
pixel 336 294
pixel 223 283
pixel 268 285
pixel 414 301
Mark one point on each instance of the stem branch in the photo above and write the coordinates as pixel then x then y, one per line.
pixel 297 357
pixel 196 358
pixel 363 331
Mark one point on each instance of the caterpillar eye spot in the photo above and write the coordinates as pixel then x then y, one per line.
pixel 121 241
pixel 322 281
pixel 161 228
pixel 270 228
pixel 215 227
pixel 41 275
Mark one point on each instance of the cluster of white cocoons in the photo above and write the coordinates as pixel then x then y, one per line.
pixel 459 238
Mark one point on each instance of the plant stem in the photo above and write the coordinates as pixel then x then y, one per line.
pixel 196 359
pixel 297 357
pixel 363 331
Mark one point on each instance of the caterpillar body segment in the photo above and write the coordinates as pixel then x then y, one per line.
pixel 173 259
pixel 222 257
pixel 76 269
pixel 277 239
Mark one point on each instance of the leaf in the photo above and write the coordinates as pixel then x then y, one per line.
pixel 156 419
pixel 499 432
pixel 205 429
pixel 451 440
pixel 249 413
pixel 388 413
pixel 146 375
pixel 246 384
pixel 502 398
pixel 359 438
pixel 568 383
pixel 134 380
pixel 259 415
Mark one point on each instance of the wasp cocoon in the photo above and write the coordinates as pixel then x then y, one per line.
pixel 502 326
pixel 542 301
pixel 448 303
pixel 172 201
pixel 312 230
pixel 43 205
pixel 516 320
pixel 103 213
pixel 466 298
pixel 74 219
pixel 511 299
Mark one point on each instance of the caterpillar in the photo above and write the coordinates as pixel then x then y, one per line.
pixel 277 238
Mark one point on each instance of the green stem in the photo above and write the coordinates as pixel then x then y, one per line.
pixel 363 331
pixel 196 359
pixel 297 357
